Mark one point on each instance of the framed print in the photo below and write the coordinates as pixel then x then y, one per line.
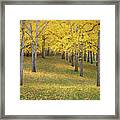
pixel 60 59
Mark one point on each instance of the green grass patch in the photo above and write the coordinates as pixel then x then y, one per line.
pixel 56 80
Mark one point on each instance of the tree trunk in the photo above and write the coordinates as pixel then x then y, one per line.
pixel 91 57
pixel 48 51
pixel 43 41
pixel 96 59
pixel 21 70
pixel 51 53
pixel 22 55
pixel 33 61
pixel 69 58
pixel 33 52
pixel 76 61
pixel 85 55
pixel 66 56
pixel 98 67
pixel 72 59
pixel 43 47
pixel 88 58
pixel 81 60
pixel 63 55
pixel 36 39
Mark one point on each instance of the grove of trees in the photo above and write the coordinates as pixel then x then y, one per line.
pixel 77 41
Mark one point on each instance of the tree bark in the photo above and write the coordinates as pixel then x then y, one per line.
pixel 36 39
pixel 43 47
pixel 63 55
pixel 88 58
pixel 98 67
pixel 48 51
pixel 72 59
pixel 33 52
pixel 67 57
pixel 43 40
pixel 76 61
pixel 81 60
pixel 22 55
pixel 91 57
pixel 33 61
pixel 85 55
pixel 96 59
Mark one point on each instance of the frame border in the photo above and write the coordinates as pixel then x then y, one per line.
pixel 60 2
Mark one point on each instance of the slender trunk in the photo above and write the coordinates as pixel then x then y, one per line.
pixel 85 55
pixel 22 55
pixel 36 39
pixel 51 53
pixel 88 58
pixel 48 51
pixel 72 59
pixel 69 58
pixel 21 70
pixel 43 41
pixel 33 61
pixel 91 57
pixel 96 59
pixel 76 54
pixel 63 55
pixel 81 60
pixel 98 67
pixel 33 52
pixel 66 56
pixel 45 52
pixel 43 47
pixel 76 61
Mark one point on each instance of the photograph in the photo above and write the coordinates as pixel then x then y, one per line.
pixel 59 59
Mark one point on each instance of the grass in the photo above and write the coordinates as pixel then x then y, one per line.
pixel 56 80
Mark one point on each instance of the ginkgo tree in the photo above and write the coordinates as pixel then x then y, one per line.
pixel 75 40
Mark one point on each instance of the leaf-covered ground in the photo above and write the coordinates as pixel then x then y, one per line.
pixel 56 80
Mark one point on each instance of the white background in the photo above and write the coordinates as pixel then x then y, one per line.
pixel 104 106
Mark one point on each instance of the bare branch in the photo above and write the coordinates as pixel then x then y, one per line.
pixel 29 35
pixel 25 46
pixel 93 27
pixel 27 27
pixel 43 28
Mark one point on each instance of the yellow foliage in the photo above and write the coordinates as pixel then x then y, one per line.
pixel 62 35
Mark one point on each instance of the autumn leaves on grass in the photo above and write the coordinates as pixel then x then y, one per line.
pixel 56 80
pixel 57 56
